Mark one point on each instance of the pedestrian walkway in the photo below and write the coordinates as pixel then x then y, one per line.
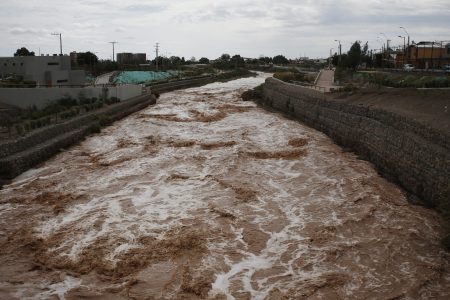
pixel 325 80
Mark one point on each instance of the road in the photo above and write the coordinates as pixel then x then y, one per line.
pixel 104 79
pixel 203 196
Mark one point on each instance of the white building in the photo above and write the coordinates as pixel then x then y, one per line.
pixel 44 70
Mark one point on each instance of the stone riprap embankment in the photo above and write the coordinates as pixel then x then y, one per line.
pixel 19 155
pixel 406 149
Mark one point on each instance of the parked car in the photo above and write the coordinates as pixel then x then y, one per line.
pixel 446 68
pixel 408 67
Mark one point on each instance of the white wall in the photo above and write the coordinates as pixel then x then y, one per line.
pixel 35 68
pixel 26 97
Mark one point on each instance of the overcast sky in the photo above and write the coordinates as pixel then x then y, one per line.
pixel 209 28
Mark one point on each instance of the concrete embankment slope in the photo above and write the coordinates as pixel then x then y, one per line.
pixel 408 140
pixel 20 155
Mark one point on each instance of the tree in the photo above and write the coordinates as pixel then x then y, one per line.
pixel 265 59
pixel 237 61
pixel 354 55
pixel 175 61
pixel 335 59
pixel 86 58
pixel 366 56
pixel 203 60
pixel 23 52
pixel 163 62
pixel 104 66
pixel 280 60
pixel 225 57
pixel 223 62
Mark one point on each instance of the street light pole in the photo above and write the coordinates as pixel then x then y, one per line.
pixel 406 52
pixel 381 50
pixel 404 48
pixel 387 47
pixel 404 29
pixel 387 43
pixel 340 50
pixel 329 62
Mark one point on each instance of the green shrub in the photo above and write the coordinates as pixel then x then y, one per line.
pixel 349 88
pixel 95 128
pixel 289 76
pixel 19 129
pixel 67 101
pixel 105 120
pixel 237 73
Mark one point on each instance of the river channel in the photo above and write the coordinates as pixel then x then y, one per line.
pixel 204 196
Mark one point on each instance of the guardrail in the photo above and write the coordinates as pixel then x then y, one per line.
pixel 317 77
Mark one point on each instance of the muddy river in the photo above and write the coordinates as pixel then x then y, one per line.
pixel 203 196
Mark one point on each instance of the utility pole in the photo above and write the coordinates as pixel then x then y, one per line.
pixel 113 43
pixel 340 50
pixel 404 48
pixel 388 53
pixel 60 42
pixel 330 59
pixel 156 51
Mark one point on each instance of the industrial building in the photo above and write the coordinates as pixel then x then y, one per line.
pixel 43 70
pixel 425 55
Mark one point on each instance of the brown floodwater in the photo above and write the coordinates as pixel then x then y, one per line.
pixel 203 196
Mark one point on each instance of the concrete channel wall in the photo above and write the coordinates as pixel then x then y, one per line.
pixel 40 97
pixel 409 153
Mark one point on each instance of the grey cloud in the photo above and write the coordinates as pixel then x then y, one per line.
pixel 27 31
pixel 146 8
